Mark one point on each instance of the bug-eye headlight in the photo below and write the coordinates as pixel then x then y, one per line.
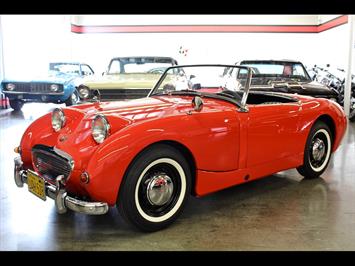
pixel 100 128
pixel 84 92
pixel 10 86
pixel 54 87
pixel 58 119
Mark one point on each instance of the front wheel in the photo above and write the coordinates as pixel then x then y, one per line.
pixel 317 151
pixel 155 188
pixel 73 99
pixel 16 104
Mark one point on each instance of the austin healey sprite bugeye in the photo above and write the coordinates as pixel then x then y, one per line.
pixel 199 130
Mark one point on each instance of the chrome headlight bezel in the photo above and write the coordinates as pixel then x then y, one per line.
pixel 58 119
pixel 54 87
pixel 84 92
pixel 100 128
pixel 10 86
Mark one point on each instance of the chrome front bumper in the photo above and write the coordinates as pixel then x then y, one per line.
pixel 59 194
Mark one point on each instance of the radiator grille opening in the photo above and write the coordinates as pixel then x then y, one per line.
pixel 49 163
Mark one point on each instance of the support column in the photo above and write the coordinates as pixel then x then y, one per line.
pixel 347 90
pixel 2 71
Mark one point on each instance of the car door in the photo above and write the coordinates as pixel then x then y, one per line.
pixel 272 132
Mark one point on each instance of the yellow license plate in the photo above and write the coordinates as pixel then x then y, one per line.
pixel 36 185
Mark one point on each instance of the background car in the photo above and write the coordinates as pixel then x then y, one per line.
pixel 58 86
pixel 286 76
pixel 127 78
pixel 146 156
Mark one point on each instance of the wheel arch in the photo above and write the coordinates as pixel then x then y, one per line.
pixel 182 149
pixel 328 120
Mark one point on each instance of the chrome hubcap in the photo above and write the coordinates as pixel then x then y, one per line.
pixel 160 189
pixel 318 149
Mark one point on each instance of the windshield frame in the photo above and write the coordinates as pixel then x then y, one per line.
pixel 134 60
pixel 241 104
pixel 277 62
pixel 53 64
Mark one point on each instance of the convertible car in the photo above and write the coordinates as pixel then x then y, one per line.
pixel 59 85
pixel 286 76
pixel 126 78
pixel 199 130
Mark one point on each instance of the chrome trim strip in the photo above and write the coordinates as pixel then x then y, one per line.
pixel 36 93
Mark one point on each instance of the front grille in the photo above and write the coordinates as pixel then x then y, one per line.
pixel 119 94
pixel 36 87
pixel 49 163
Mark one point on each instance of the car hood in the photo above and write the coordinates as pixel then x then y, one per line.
pixel 290 86
pixel 51 77
pixel 133 111
pixel 120 115
pixel 114 81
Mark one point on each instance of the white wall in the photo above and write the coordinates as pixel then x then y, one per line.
pixel 333 47
pixel 324 18
pixel 1 53
pixel 32 41
pixel 202 47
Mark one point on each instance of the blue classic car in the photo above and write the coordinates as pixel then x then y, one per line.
pixel 59 86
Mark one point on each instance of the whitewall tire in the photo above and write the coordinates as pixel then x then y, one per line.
pixel 155 188
pixel 317 151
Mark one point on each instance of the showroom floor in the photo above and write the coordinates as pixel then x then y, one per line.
pixel 280 212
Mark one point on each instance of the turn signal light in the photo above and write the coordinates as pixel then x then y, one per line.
pixel 17 149
pixel 84 178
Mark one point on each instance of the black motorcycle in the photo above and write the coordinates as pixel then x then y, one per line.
pixel 335 78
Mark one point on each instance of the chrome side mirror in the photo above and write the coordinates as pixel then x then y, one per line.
pixel 197 103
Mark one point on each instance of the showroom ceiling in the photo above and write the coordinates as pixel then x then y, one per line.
pixel 205 23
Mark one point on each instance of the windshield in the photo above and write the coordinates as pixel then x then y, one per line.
pixel 68 68
pixel 217 80
pixel 139 65
pixel 277 70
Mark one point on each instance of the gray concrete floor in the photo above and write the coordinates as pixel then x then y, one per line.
pixel 279 212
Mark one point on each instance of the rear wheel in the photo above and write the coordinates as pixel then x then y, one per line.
pixel 16 104
pixel 317 152
pixel 155 188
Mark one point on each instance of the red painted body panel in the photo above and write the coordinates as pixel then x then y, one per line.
pixel 226 145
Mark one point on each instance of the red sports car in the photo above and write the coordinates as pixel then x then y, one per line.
pixel 199 130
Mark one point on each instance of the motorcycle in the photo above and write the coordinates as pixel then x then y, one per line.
pixel 335 78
